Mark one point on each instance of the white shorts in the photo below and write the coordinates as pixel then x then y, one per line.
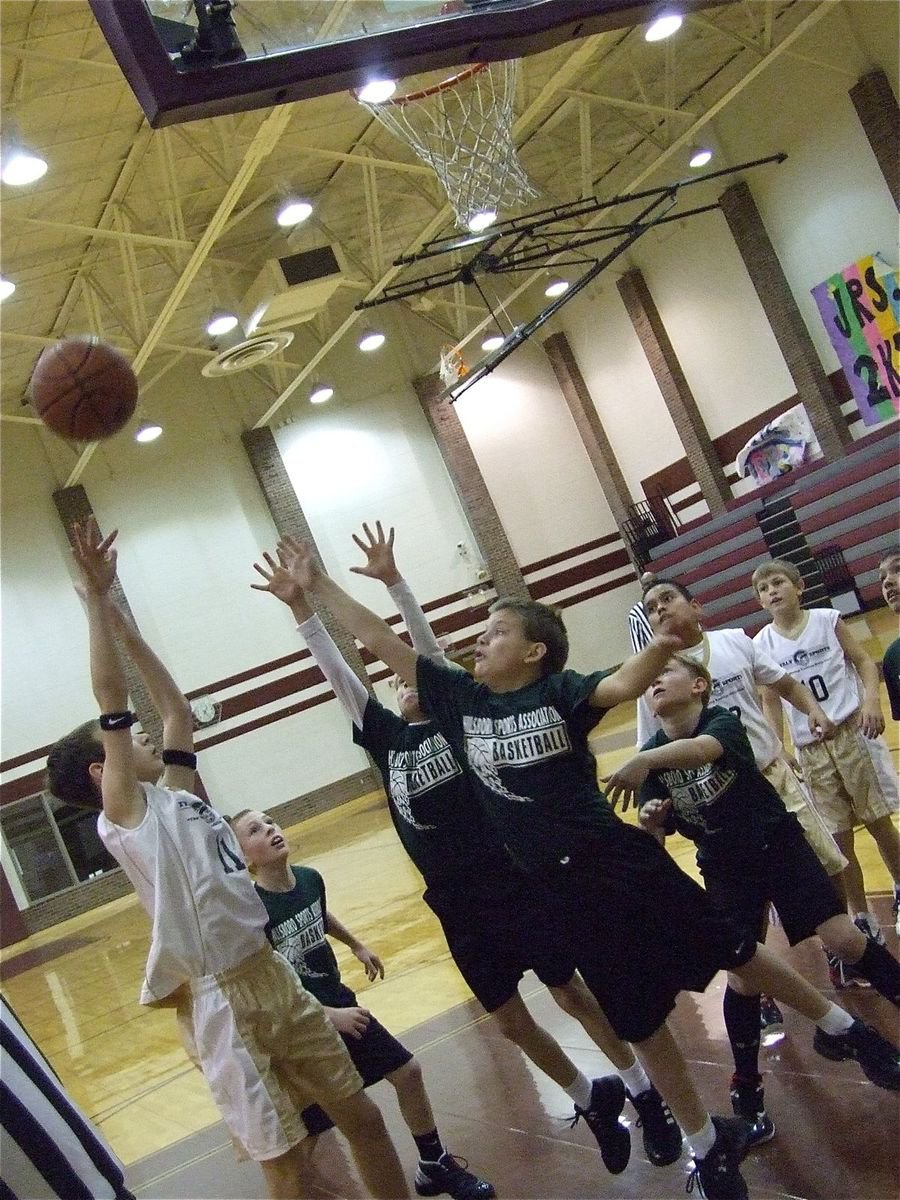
pixel 852 778
pixel 798 801
pixel 267 1050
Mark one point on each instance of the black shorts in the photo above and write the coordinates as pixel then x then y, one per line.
pixel 498 928
pixel 643 930
pixel 786 873
pixel 376 1054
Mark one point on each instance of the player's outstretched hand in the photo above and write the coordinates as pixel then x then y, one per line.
pixel 374 967
pixel 352 1021
pixel 95 558
pixel 379 552
pixel 654 814
pixel 298 558
pixel 278 580
pixel 871 720
pixel 625 783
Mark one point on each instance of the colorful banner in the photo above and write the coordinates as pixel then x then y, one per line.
pixel 861 311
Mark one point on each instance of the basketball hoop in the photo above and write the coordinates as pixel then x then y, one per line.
pixel 462 127
pixel 453 366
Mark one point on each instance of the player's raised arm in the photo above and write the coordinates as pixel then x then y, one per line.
pixel 636 673
pixel 381 565
pixel 299 560
pixel 168 700
pixel 95 557
pixel 350 691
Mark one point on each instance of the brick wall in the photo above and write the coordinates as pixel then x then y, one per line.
pixel 813 387
pixel 879 115
pixel 290 520
pixel 483 518
pixel 676 392
pixel 587 421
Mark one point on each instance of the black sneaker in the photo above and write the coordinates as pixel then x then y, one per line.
pixel 449 1175
pixel 748 1102
pixel 771 1021
pixel 602 1117
pixel 717 1175
pixel 662 1133
pixel 879 1060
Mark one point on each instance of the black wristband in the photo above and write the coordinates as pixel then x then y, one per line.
pixel 180 758
pixel 113 722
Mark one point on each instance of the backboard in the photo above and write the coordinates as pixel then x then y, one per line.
pixel 188 59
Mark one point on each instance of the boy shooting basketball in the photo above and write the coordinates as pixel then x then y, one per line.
pixel 264 1044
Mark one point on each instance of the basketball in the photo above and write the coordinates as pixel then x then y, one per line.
pixel 83 389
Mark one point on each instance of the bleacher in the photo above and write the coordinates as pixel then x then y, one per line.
pixel 853 504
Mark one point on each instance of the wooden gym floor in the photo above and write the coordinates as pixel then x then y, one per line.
pixel 75 986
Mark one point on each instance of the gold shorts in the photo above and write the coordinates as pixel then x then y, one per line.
pixel 798 801
pixel 267 1050
pixel 852 778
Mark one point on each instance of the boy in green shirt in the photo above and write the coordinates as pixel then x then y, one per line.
pixel 299 920
pixel 698 775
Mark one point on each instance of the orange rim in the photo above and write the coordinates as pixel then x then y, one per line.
pixel 436 88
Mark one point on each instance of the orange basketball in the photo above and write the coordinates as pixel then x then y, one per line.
pixel 83 389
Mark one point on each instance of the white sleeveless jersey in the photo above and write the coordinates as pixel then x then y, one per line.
pixel 737 666
pixel 816 658
pixel 186 867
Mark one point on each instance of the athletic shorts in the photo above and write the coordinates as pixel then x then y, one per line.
pixel 267 1050
pixel 852 778
pixel 786 873
pixel 797 800
pixel 499 927
pixel 643 930
pixel 376 1054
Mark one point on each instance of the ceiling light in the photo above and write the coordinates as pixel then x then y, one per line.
pixel 376 91
pixel 147 431
pixel 321 393
pixel 221 322
pixel 371 339
pixel 481 220
pixel 700 156
pixel 21 167
pixel 292 212
pixel 556 287
pixel 664 26
pixel 493 341
pixel 7 287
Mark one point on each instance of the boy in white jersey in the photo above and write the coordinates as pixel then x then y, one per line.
pixel 264 1044
pixel 851 775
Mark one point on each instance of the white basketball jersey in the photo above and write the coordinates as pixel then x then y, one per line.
pixel 816 658
pixel 736 667
pixel 186 867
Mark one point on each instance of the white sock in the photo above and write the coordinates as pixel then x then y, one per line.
pixel 836 1020
pixel 701 1142
pixel 580 1091
pixel 635 1079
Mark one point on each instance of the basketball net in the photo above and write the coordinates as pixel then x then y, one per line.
pixel 452 366
pixel 462 128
